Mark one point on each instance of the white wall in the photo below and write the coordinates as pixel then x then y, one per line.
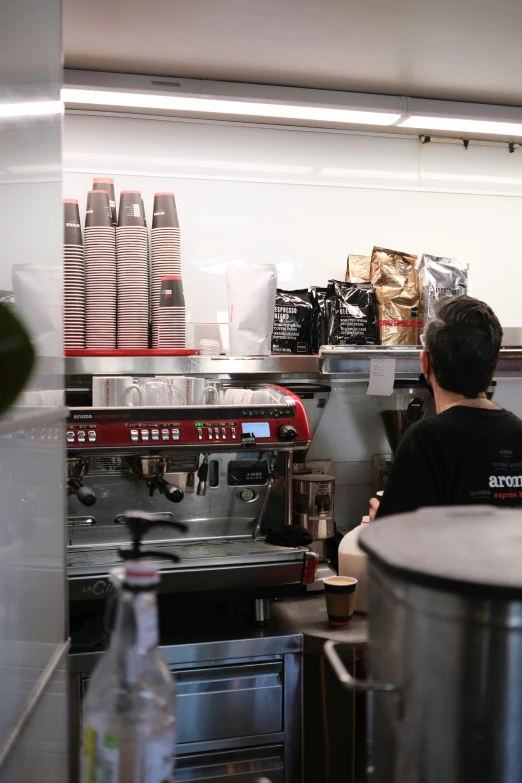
pixel 304 199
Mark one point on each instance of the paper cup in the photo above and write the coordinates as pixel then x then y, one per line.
pixel 340 599
pixel 98 212
pixel 164 213
pixel 107 183
pixel 171 294
pixel 130 212
pixel 72 234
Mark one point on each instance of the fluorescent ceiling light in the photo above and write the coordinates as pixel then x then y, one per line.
pixel 30 109
pixel 461 125
pixel 223 106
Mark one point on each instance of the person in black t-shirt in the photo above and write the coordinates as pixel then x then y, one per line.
pixel 471 451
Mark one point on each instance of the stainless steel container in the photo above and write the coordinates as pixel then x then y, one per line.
pixel 445 593
pixel 314 504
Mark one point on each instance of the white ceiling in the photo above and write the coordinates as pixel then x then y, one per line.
pixel 453 49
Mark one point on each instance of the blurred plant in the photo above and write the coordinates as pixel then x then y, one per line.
pixel 17 357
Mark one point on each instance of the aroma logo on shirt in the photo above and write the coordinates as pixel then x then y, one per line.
pixel 499 482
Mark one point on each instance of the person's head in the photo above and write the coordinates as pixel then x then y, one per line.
pixel 462 342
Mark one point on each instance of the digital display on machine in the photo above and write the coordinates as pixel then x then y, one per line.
pixel 259 429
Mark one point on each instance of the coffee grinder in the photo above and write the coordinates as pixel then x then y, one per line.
pixel 408 403
pixel 313 501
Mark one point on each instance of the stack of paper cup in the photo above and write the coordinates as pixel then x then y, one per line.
pixel 133 272
pixel 166 263
pixel 74 277
pixel 171 313
pixel 100 272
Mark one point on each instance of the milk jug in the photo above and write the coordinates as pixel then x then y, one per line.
pixel 352 562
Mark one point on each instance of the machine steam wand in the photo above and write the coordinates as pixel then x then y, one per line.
pixel 257 529
pixel 202 477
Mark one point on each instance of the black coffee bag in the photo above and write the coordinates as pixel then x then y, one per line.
pixel 292 322
pixel 319 318
pixel 352 313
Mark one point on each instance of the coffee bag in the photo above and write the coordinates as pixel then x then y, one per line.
pixel 292 322
pixel 397 289
pixel 441 276
pixel 319 318
pixel 352 314
pixel 358 269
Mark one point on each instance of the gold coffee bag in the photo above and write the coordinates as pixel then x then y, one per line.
pixel 396 282
pixel 358 269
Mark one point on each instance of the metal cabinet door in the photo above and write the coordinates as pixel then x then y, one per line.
pixel 240 766
pixel 223 702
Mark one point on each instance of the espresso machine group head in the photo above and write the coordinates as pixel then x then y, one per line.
pixel 76 470
pixel 152 469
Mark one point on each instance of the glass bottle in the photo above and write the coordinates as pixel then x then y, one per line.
pixel 129 709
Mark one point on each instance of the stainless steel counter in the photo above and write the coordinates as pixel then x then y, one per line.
pixel 308 617
pixel 296 624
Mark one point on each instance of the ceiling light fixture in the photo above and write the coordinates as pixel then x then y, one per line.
pixel 459 117
pixel 292 105
pixel 462 125
pixel 30 109
pixel 203 105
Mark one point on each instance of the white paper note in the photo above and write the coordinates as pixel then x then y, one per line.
pixel 382 376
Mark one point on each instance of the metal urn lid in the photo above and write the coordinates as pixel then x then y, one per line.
pixel 468 549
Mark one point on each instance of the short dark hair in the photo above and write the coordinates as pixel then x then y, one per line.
pixel 463 340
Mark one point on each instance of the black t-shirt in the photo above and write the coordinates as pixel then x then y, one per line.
pixel 464 455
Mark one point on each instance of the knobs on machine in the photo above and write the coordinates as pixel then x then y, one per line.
pixel 287 433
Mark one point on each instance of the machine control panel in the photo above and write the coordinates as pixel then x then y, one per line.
pixel 283 423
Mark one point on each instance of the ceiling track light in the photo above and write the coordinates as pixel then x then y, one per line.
pixel 299 106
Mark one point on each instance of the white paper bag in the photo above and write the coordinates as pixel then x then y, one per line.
pixel 38 301
pixel 251 302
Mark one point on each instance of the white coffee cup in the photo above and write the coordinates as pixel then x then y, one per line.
pixel 261 397
pixel 51 397
pixel 191 389
pixel 31 398
pixel 110 390
pixel 149 391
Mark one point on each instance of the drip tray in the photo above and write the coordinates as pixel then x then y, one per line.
pixel 204 565
pixel 192 555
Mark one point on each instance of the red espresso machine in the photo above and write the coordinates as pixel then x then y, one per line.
pixel 223 471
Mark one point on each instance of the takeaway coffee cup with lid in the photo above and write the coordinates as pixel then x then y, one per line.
pixel 340 599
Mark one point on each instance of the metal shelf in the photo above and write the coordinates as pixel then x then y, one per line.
pixel 339 360
pixel 353 362
pixel 225 367
pixel 333 362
